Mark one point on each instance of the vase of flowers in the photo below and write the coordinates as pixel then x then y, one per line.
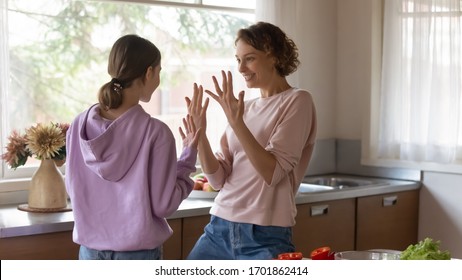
pixel 46 142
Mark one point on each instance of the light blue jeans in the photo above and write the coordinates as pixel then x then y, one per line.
pixel 225 240
pixel 86 253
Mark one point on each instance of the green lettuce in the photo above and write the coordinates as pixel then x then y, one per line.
pixel 426 249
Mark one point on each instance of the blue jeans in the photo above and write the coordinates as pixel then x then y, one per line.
pixel 225 240
pixel 86 253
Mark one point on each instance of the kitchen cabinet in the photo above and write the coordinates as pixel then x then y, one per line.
pixel 49 246
pixel 328 223
pixel 171 249
pixel 193 228
pixel 360 222
pixel 387 221
pixel 59 245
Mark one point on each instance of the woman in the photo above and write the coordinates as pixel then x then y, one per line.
pixel 264 151
pixel 122 173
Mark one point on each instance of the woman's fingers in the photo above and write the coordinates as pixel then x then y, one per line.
pixel 224 84
pixel 188 103
pixel 218 89
pixel 194 105
pixel 206 105
pixel 197 96
pixel 229 86
pixel 214 96
pixel 192 124
pixel 226 89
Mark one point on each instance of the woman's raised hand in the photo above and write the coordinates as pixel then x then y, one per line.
pixel 233 108
pixel 196 109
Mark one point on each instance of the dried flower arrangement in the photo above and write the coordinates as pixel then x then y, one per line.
pixel 44 141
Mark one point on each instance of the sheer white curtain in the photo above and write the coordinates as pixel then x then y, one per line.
pixel 420 112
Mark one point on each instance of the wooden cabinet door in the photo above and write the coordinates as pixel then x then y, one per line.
pixel 193 228
pixel 388 221
pixel 49 246
pixel 171 249
pixel 329 223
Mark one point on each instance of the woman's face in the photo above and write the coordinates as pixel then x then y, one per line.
pixel 256 66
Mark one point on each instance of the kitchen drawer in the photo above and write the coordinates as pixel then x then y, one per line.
pixel 329 223
pixel 49 246
pixel 388 221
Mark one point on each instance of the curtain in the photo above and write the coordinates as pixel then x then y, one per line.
pixel 420 107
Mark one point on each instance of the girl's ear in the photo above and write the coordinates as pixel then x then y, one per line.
pixel 149 73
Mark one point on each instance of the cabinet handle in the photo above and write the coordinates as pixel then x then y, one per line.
pixel 319 210
pixel 389 200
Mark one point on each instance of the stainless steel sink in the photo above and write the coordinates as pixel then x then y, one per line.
pixel 338 182
pixel 310 188
pixel 333 182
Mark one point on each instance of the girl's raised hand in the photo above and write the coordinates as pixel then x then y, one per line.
pixel 190 135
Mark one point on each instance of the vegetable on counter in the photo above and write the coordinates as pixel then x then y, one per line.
pixel 322 253
pixel 425 250
pixel 201 183
pixel 290 256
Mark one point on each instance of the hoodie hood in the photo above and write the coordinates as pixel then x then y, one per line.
pixel 109 148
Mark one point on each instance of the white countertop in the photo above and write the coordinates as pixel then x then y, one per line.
pixel 14 222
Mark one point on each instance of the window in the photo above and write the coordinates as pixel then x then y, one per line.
pixel 56 57
pixel 419 120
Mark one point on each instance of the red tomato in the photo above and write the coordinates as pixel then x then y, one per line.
pixel 322 253
pixel 290 256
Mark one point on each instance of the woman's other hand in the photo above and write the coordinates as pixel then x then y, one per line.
pixel 233 108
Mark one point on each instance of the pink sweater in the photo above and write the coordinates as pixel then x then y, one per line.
pixel 285 125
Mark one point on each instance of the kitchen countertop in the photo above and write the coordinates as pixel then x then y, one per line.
pixel 14 222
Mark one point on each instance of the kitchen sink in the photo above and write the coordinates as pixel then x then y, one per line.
pixel 310 188
pixel 338 182
pixel 332 182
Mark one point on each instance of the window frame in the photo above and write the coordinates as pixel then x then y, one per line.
pixel 18 180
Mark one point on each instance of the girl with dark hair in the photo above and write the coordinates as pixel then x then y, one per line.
pixel 122 172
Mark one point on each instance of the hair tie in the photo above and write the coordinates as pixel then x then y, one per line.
pixel 116 85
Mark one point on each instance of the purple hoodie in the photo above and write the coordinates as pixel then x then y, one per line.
pixel 124 179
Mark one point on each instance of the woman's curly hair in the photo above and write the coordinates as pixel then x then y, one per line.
pixel 271 39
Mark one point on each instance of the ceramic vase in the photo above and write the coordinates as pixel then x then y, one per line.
pixel 47 189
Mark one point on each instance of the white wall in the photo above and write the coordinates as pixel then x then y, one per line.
pixel 353 66
pixel 441 211
pixel 317 42
pixel 335 38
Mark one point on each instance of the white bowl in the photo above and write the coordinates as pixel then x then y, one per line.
pixel 202 194
pixel 367 255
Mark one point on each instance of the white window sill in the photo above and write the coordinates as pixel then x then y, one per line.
pixel 14 191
